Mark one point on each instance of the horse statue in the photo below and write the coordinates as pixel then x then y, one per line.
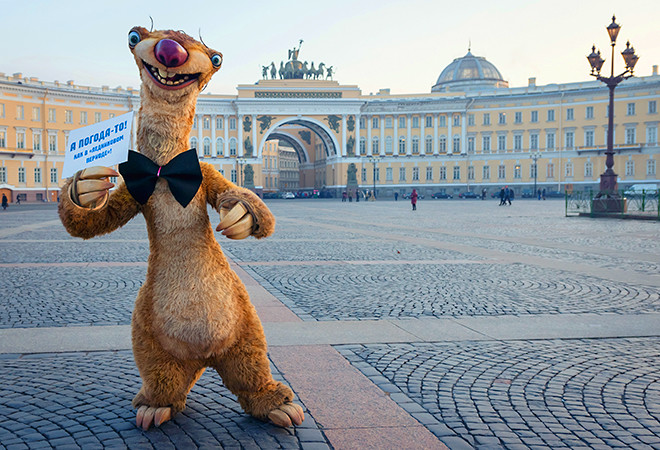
pixel 305 70
pixel 273 71
pixel 311 71
pixel 319 71
pixel 281 72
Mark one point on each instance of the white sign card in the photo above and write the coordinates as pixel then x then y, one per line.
pixel 102 144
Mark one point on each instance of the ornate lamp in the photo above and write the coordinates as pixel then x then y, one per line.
pixel 613 30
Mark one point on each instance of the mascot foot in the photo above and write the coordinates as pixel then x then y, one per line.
pixel 286 415
pixel 146 415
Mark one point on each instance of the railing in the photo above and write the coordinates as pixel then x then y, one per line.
pixel 644 205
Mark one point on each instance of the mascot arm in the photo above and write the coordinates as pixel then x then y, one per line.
pixel 242 213
pixel 88 209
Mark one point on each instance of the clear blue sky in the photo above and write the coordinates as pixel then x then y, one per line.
pixel 401 45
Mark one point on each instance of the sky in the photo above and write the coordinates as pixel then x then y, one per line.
pixel 401 45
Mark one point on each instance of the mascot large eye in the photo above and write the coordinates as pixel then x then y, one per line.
pixel 216 60
pixel 133 38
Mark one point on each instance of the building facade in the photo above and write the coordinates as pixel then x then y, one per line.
pixel 470 132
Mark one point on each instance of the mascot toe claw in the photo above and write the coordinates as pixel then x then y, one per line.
pixel 148 415
pixel 286 415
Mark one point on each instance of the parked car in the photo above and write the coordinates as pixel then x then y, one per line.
pixel 555 194
pixel 271 195
pixel 636 190
pixel 468 194
pixel 407 196
pixel 441 195
pixel 288 195
pixel 528 193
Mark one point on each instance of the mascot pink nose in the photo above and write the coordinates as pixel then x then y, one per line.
pixel 170 53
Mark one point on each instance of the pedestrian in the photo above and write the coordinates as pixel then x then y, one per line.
pixel 396 196
pixel 539 193
pixel 343 196
pixel 512 195
pixel 543 194
pixel 5 202
pixel 350 197
pixel 502 193
pixel 18 199
pixel 483 194
pixel 413 200
pixel 507 195
pixel 357 196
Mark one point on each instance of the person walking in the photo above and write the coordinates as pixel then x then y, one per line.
pixel 396 196
pixel 413 199
pixel 483 194
pixel 502 193
pixel 507 195
pixel 18 199
pixel 5 202
pixel 343 196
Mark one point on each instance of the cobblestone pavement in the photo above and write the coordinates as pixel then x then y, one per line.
pixel 555 394
pixel 332 261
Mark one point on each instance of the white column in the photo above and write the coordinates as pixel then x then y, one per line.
pixel 435 134
pixel 343 135
pixel 200 144
pixel 422 137
pixel 395 150
pixel 357 134
pixel 239 126
pixel 225 125
pixel 369 135
pixel 450 137
pixel 381 144
pixel 214 150
pixel 255 147
pixel 409 138
pixel 463 135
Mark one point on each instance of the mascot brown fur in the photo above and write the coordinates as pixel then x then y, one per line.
pixel 193 311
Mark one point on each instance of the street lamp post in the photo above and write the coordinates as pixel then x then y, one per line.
pixel 610 201
pixel 240 162
pixel 535 156
pixel 374 160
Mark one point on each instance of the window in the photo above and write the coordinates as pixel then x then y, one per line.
pixel 68 116
pixel 37 175
pixel 402 174
pixel 83 117
pixel 207 147
pixel 589 138
pixel 429 145
pixel 111 116
pixel 232 147
pixel 52 143
pixel 206 123
pixel 193 142
pixel 375 146
pixel 487 119
pixel 517 171
pixel 442 120
pixel 20 139
pixel 457 144
pixel 363 146
pixel 443 144
pixel 97 117
pixel 650 167
pixel 429 173
pixel 518 117
pixel 652 135
pixel 2 110
pixel 630 168
pixel 630 109
pixel 388 174
pixel 485 144
pixel 364 174
pixel 36 113
pixel 20 114
pixel 569 169
pixel 485 172
pixel 232 123
pixel 219 123
pixel 36 141
pixel 501 142
pixel 374 122
pixel 402 145
pixel 3 139
pixel 457 120
pixel 570 114
pixel 195 122
pixel 551 115
pixel 443 173
pixel 550 170
pixel 535 117
pixel 631 135
pixel 470 144
pixel 377 173
pixel 429 121
pixel 388 122
pixel 388 145
pixel 471 120
pixel 51 114
pixel 457 172
pixel 517 142
pixel 3 174
pixel 363 123
pixel 653 107
pixel 588 169
pixel 501 171
pixel 501 119
pixel 415 174
pixel 470 172
pixel 550 141
pixel 570 139
pixel 533 170
pixel 402 122
pixel 21 174
pixel 589 112
pixel 415 145
pixel 53 175
pixel 415 122
pixel 233 176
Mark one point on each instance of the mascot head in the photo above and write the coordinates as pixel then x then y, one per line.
pixel 172 64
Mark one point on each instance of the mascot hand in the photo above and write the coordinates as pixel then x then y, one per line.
pixel 90 187
pixel 236 222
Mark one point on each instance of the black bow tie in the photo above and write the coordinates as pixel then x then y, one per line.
pixel 182 173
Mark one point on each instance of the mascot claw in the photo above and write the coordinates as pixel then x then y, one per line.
pixel 286 415
pixel 146 415
pixel 235 223
pixel 91 186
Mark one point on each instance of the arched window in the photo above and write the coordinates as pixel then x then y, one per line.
pixel 375 147
pixel 193 143
pixel 402 145
pixel 207 147
pixel 232 147
pixel 429 144
pixel 220 146
pixel 388 145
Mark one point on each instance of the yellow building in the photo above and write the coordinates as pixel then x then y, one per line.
pixel 470 132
